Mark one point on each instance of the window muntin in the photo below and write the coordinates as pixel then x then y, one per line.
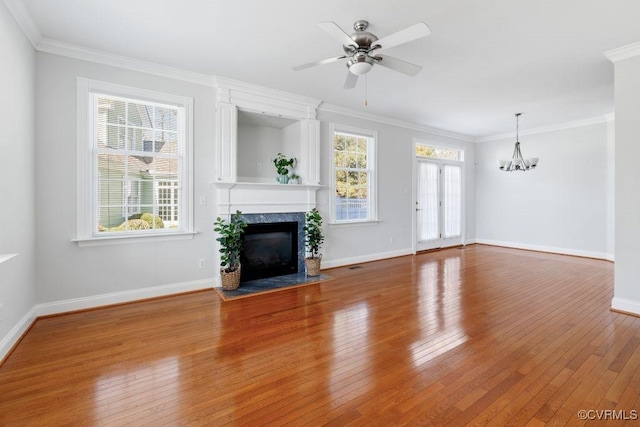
pixel 353 178
pixel 134 162
pixel 137 147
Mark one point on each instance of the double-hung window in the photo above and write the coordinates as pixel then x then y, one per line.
pixel 134 162
pixel 354 177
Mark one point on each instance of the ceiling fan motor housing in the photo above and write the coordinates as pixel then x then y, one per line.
pixel 363 39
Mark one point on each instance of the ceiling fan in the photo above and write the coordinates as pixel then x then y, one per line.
pixel 362 49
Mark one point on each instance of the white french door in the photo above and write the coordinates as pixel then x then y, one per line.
pixel 438 204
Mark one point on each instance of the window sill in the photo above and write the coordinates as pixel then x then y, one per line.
pixel 117 240
pixel 354 223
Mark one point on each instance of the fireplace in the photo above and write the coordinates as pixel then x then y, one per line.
pixel 273 245
pixel 269 250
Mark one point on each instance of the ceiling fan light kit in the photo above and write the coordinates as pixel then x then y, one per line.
pixel 517 162
pixel 361 48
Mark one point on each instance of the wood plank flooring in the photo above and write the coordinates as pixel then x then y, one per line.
pixel 465 336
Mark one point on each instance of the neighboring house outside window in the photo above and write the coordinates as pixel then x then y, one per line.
pixel 353 175
pixel 135 155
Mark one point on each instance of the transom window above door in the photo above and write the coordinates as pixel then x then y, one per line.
pixel 440 153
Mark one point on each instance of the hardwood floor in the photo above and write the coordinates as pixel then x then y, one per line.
pixel 476 335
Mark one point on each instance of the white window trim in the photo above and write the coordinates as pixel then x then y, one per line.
pixel 85 208
pixel 372 162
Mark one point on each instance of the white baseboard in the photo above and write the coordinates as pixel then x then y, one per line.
pixel 551 249
pixel 74 304
pixel 364 258
pixel 16 333
pixel 625 305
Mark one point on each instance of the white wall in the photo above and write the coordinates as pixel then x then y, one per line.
pixel 346 244
pixel 17 209
pixel 72 276
pixel 627 187
pixel 561 206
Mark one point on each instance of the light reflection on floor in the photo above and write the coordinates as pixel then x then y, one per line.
pixel 441 328
pixel 350 325
pixel 118 393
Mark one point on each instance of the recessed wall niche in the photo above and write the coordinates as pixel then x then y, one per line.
pixel 246 113
pixel 260 138
pixel 252 125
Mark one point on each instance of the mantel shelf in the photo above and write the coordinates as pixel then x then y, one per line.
pixel 264 197
pixel 266 186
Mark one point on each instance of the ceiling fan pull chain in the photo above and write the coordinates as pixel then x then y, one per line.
pixel 366 102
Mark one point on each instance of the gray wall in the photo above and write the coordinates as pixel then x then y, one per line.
pixel 66 271
pixel 561 206
pixel 17 208
pixel 627 187
pixel 395 158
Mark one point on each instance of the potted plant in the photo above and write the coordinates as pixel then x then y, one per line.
pixel 313 238
pixel 230 238
pixel 282 165
pixel 294 179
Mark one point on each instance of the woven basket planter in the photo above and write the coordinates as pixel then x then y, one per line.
pixel 313 266
pixel 230 281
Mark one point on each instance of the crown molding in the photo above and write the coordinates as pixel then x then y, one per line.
pixel 240 86
pixel 336 109
pixel 623 52
pixel 561 126
pixel 56 47
pixel 23 17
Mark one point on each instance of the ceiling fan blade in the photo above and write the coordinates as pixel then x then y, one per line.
pixel 350 81
pixel 398 65
pixel 321 62
pixel 338 33
pixel 403 36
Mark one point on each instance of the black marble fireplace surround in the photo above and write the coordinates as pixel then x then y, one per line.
pixel 288 221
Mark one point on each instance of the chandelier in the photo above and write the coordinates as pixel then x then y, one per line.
pixel 517 162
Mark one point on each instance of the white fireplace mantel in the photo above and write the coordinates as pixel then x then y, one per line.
pixel 258 197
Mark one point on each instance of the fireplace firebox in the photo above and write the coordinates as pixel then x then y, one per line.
pixel 269 250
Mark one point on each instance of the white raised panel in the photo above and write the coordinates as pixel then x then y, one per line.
pixel 310 151
pixel 226 142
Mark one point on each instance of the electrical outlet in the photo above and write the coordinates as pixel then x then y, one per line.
pixel 202 263
pixel 392 240
pixel 259 167
pixel 203 200
pixel 1 314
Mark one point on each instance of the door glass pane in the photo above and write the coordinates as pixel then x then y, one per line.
pixel 452 201
pixel 427 201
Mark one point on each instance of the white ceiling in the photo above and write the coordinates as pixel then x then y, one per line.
pixel 484 60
